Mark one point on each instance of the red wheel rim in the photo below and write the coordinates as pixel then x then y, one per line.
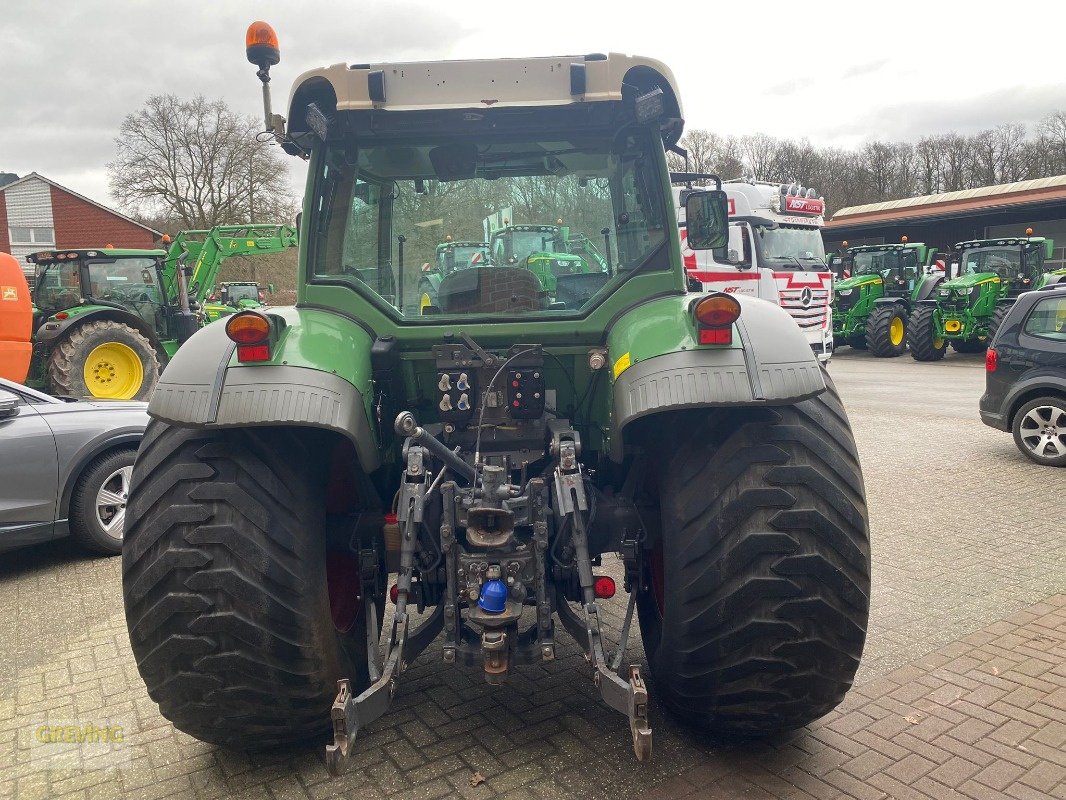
pixel 658 580
pixel 342 580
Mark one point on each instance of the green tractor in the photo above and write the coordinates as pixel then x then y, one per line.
pixel 233 296
pixel 548 251
pixel 967 310
pixel 872 306
pixel 306 465
pixel 108 319
pixel 451 256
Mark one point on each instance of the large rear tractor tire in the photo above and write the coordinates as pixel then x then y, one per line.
pixel 922 337
pixel 104 359
pixel 886 330
pixel 234 601
pixel 760 579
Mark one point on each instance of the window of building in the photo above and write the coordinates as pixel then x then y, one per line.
pixel 1048 319
pixel 27 235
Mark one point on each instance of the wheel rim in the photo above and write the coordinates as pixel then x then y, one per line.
pixel 345 595
pixel 1043 431
pixel 111 502
pixel 895 331
pixel 424 303
pixel 113 371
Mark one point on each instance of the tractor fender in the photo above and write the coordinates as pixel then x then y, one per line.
pixel 890 301
pixel 318 377
pixel 928 286
pixel 55 329
pixel 657 364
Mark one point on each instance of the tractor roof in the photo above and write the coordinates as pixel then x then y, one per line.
pixel 481 85
pixel 48 256
pixel 1005 242
pixel 876 248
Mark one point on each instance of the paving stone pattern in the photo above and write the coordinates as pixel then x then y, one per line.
pixel 961 692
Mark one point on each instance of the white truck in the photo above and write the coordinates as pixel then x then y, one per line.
pixel 775 252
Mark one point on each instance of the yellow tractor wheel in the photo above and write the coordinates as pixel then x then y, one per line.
pixel 113 371
pixel 104 359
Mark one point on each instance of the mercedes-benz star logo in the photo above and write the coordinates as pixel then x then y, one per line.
pixel 805 297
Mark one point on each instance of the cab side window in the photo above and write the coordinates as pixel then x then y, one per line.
pixel 1048 319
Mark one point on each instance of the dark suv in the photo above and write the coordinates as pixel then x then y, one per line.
pixel 1025 376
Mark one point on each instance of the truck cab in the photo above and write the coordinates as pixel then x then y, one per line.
pixel 775 252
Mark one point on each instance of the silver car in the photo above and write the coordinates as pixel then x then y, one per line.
pixel 65 467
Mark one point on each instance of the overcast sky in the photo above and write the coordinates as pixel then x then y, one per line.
pixel 835 73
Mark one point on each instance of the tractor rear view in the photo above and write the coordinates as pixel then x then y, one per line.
pixel 967 310
pixel 305 465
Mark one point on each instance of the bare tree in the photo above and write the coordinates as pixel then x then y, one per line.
pixel 199 163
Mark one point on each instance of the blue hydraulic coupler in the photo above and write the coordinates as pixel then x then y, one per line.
pixel 493 597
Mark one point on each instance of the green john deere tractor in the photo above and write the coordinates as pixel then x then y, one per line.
pixel 548 251
pixel 967 310
pixel 872 306
pixel 233 296
pixel 483 459
pixel 107 320
pixel 450 257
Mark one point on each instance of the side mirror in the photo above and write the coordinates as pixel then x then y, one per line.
pixel 707 220
pixel 9 404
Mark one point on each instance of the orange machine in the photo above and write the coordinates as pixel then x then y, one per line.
pixel 16 320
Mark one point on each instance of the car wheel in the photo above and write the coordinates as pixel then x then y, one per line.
pixel 1040 430
pixel 98 504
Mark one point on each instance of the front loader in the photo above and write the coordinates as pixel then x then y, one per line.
pixel 109 319
pixel 887 281
pixel 306 465
pixel 966 311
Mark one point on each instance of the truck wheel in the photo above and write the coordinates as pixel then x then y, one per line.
pixel 104 359
pixel 1040 430
pixel 228 582
pixel 760 583
pixel 922 337
pixel 886 330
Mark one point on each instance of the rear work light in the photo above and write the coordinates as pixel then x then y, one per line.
pixel 252 333
pixel 715 315
pixel 991 360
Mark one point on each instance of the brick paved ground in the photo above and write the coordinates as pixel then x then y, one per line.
pixel 966 534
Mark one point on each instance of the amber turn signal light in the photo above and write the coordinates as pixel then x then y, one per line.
pixel 248 327
pixel 717 311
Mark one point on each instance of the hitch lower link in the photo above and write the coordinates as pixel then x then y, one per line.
pixel 629 697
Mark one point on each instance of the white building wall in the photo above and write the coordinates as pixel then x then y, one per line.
pixel 29 204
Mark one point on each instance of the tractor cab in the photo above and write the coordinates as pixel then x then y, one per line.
pixel 543 250
pixel 897 265
pixel 72 282
pixel 452 255
pixel 1016 264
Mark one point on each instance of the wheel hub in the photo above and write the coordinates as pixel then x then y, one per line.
pixel 113 371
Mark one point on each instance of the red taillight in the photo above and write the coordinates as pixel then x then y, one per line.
pixel 991 360
pixel 716 336
pixel 603 587
pixel 253 352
